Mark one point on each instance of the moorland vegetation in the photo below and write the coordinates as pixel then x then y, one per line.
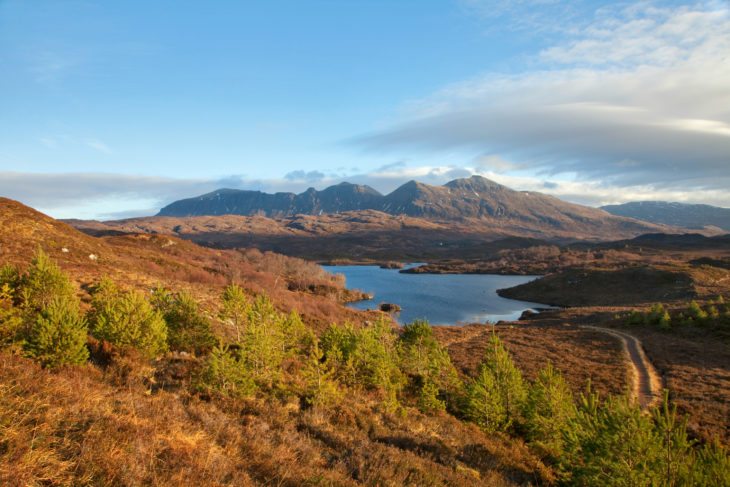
pixel 160 349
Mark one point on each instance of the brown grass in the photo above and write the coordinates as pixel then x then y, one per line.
pixel 144 261
pixel 693 361
pixel 695 365
pixel 84 426
pixel 579 354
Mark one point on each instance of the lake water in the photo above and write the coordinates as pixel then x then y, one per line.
pixel 445 299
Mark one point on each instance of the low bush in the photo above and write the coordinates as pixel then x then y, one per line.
pixel 11 321
pixel 188 330
pixel 427 365
pixel 224 373
pixel 58 334
pixel 127 319
pixel 43 283
pixel 366 358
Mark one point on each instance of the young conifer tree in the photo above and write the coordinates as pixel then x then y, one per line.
pixel 496 396
pixel 58 334
pixel 188 329
pixel 427 365
pixel 548 409
pixel 234 309
pixel 43 283
pixel 224 373
pixel 54 331
pixel 127 319
pixel 321 389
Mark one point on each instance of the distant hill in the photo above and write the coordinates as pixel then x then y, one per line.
pixel 476 198
pixel 676 214
pixel 459 220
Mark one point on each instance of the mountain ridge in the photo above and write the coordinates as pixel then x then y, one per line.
pixel 686 215
pixel 464 199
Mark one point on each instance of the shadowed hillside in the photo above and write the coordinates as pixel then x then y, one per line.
pixel 677 214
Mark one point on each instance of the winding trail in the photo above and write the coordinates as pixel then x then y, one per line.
pixel 646 382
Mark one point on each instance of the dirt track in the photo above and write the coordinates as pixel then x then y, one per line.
pixel 646 384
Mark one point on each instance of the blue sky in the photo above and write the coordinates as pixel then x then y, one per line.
pixel 116 108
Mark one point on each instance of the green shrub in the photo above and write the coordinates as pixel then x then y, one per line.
pixel 43 283
pixel 657 315
pixel 712 466
pixel 223 372
pixel 615 443
pixel 264 344
pixel 429 400
pixel 365 358
pixel 636 318
pixel 321 389
pixel 611 443
pixel 11 320
pixel 10 277
pixel 548 409
pixel 127 319
pixel 677 455
pixel 696 314
pixel 234 309
pixel 266 336
pixel 58 334
pixel 298 337
pixel 188 330
pixel 427 365
pixel 496 396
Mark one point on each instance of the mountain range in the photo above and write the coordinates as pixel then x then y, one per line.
pixel 675 214
pixel 464 218
pixel 458 200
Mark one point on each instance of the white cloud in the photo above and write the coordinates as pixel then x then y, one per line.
pixel 640 98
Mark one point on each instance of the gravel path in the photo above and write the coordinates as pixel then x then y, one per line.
pixel 646 382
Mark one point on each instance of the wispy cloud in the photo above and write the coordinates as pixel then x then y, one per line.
pixel 639 98
pixel 305 176
pixel 98 145
pixel 530 17
pixel 64 141
pixel 49 66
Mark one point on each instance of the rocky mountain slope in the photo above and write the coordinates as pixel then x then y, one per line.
pixel 335 199
pixel 415 221
pixel 474 197
pixel 672 213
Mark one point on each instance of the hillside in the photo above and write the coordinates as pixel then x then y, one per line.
pixel 675 214
pixel 121 418
pixel 236 367
pixel 144 261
